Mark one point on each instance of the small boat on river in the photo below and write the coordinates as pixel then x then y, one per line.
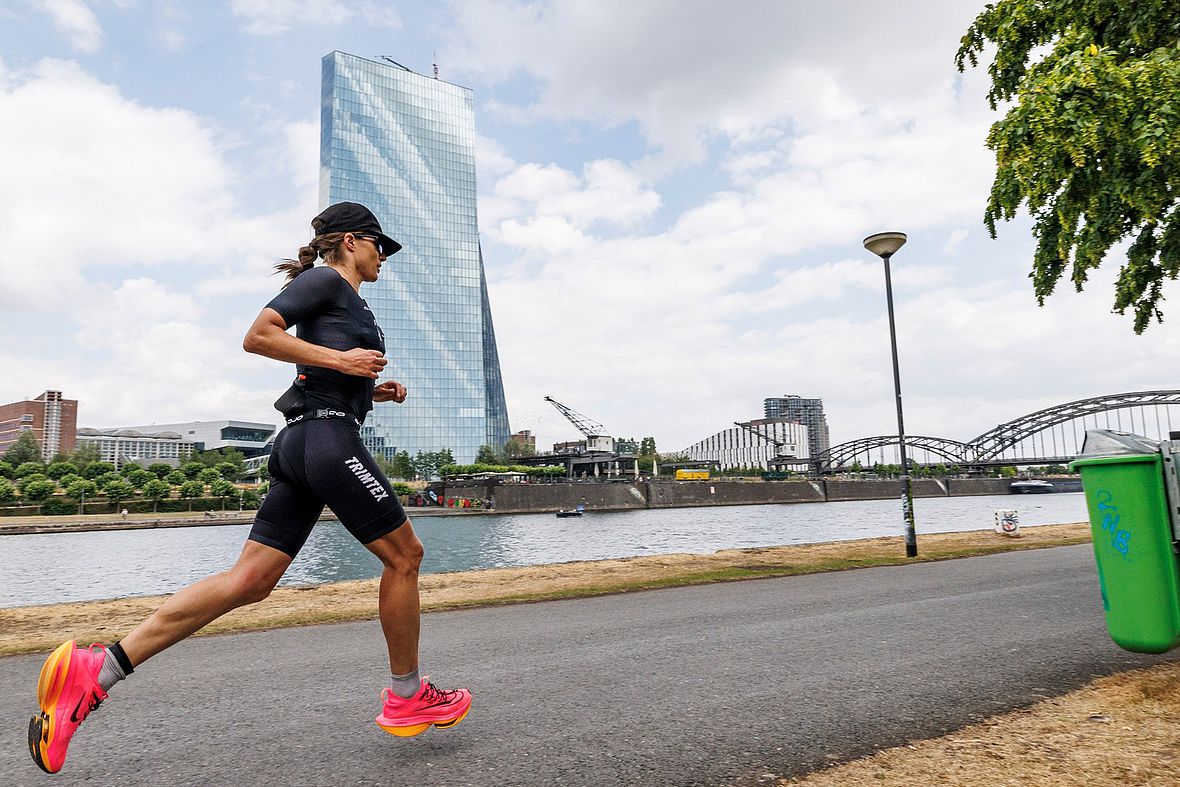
pixel 1030 487
pixel 566 512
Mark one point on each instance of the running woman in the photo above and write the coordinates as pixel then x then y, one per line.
pixel 318 460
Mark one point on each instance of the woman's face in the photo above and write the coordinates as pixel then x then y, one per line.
pixel 368 256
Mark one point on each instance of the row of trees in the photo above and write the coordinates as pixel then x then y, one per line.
pixel 488 455
pixel 941 470
pixel 80 475
pixel 38 488
pixel 547 471
pixel 423 466
pixel 24 458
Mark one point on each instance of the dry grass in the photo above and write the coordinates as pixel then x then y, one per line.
pixel 1121 730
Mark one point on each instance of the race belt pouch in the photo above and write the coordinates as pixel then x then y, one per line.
pixel 294 399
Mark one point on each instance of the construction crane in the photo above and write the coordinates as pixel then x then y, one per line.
pixel 391 61
pixel 596 437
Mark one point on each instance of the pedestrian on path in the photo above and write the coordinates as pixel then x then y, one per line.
pixel 318 460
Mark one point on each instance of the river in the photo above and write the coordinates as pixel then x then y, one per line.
pixel 63 567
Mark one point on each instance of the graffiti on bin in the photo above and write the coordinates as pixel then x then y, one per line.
pixel 1120 539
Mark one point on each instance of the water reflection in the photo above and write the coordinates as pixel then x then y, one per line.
pixel 113 564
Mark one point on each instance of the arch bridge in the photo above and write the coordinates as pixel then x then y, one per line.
pixel 1053 435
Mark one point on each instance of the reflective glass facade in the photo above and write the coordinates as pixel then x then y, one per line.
pixel 404 145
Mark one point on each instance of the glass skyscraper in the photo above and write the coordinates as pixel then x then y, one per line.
pixel 403 145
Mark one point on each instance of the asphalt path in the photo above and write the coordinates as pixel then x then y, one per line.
pixel 715 685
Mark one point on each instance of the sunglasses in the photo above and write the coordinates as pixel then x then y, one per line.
pixel 373 239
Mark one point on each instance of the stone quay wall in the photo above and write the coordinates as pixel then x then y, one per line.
pixel 620 495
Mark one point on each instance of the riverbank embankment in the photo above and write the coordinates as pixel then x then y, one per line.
pixel 26 525
pixel 618 495
pixel 549 497
pixel 622 495
pixel 37 628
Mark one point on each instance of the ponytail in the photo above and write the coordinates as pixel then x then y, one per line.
pixel 306 261
pixel 320 246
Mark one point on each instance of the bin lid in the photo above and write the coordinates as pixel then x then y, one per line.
pixel 1107 442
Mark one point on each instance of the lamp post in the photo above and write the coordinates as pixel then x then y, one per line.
pixel 885 245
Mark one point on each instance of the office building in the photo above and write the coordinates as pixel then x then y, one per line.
pixel 776 438
pixel 403 144
pixel 249 437
pixel 173 443
pixel 809 412
pixel 51 418
pixel 121 446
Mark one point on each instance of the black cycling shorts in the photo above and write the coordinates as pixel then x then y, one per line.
pixel 323 462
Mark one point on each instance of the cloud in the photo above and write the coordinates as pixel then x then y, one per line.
pixel 750 289
pixel 661 356
pixel 491 159
pixel 135 188
pixel 74 20
pixel 607 192
pixel 302 151
pixel 831 281
pixel 273 17
pixel 379 15
pixel 172 39
pixel 957 236
pixel 134 185
pixel 141 351
pixel 687 71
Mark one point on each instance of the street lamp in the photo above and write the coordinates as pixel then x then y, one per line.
pixel 885 245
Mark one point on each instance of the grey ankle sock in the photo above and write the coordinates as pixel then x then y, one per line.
pixel 408 685
pixel 111 672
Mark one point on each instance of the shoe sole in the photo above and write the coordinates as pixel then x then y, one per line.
pixel 417 729
pixel 49 687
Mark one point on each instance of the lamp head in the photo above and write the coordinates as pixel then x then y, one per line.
pixel 885 244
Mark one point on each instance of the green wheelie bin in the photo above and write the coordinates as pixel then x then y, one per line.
pixel 1125 478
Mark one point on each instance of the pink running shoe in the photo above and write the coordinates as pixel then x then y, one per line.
pixel 67 691
pixel 431 705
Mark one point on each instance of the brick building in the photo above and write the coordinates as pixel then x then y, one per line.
pixel 526 442
pixel 52 419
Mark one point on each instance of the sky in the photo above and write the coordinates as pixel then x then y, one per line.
pixel 672 199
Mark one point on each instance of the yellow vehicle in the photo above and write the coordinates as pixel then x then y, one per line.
pixel 692 475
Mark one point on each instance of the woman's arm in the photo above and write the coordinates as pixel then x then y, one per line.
pixel 268 336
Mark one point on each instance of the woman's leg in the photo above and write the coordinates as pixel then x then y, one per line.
pixel 401 553
pixel 251 579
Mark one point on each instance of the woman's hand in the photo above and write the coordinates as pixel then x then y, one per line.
pixel 389 392
pixel 361 363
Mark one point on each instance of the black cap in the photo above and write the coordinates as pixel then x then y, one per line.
pixel 353 217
